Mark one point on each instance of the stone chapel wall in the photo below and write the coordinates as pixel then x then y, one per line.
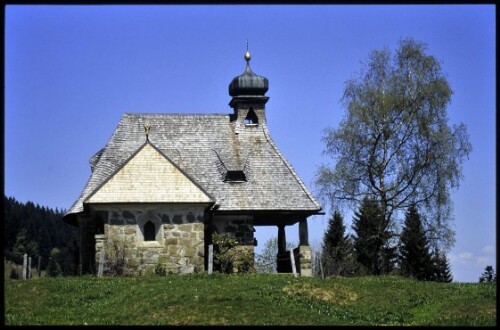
pixel 178 244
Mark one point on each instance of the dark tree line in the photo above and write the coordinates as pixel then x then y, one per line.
pixel 375 249
pixel 39 231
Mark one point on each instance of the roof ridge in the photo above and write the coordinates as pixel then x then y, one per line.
pixel 161 114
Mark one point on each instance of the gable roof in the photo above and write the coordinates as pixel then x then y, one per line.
pixel 149 177
pixel 205 147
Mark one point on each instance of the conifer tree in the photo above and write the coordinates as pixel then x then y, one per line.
pixel 35 230
pixel 442 269
pixel 335 249
pixel 372 235
pixel 389 258
pixel 488 276
pixel 415 257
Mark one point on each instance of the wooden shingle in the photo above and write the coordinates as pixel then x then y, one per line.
pixel 203 146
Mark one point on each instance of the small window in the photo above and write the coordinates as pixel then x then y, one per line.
pixel 251 118
pixel 235 176
pixel 149 231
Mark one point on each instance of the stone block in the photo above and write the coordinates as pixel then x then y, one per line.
pixel 171 241
pixel 187 269
pixel 162 259
pixel 198 227
pixel 129 230
pixel 306 272
pixel 173 250
pixel 189 251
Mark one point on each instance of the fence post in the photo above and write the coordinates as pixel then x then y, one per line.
pixel 29 268
pixel 321 267
pixel 292 258
pixel 101 264
pixel 25 265
pixel 210 258
pixel 39 263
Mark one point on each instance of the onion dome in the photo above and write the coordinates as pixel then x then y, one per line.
pixel 248 83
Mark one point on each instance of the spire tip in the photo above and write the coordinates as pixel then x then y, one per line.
pixel 247 54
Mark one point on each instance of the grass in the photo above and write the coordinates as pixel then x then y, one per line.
pixel 253 299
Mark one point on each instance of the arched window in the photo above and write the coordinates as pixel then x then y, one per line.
pixel 149 231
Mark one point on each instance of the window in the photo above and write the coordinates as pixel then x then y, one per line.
pixel 251 118
pixel 149 231
pixel 235 176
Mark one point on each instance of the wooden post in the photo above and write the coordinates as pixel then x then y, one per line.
pixel 303 233
pixel 210 258
pixel 39 264
pixel 101 263
pixel 25 265
pixel 29 268
pixel 292 258
pixel 321 267
pixel 281 239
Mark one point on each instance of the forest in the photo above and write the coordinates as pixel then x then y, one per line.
pixel 40 231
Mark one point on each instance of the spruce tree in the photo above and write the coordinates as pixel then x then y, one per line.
pixel 415 257
pixel 442 269
pixel 35 230
pixel 488 276
pixel 335 247
pixel 372 235
pixel 351 266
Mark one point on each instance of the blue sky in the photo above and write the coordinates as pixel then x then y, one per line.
pixel 72 71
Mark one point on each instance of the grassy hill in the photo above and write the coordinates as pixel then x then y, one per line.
pixel 253 299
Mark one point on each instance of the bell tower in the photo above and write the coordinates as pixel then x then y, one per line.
pixel 248 96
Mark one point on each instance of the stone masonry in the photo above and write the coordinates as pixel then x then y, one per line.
pixel 179 237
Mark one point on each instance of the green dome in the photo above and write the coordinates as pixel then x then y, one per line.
pixel 248 83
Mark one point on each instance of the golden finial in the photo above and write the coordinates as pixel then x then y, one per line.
pixel 147 128
pixel 247 54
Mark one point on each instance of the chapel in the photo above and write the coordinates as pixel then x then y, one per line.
pixel 165 182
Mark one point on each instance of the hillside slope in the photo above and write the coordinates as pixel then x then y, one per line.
pixel 253 299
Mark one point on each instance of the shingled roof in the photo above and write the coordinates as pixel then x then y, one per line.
pixel 205 147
